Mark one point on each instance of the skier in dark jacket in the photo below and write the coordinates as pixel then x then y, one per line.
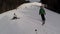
pixel 15 17
pixel 42 13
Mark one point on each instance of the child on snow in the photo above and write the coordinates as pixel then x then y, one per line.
pixel 42 13
pixel 15 17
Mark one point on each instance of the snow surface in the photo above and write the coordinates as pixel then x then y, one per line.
pixel 29 21
pixel 34 0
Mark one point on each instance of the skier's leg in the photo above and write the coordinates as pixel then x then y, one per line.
pixel 43 19
pixel 43 22
pixel 14 18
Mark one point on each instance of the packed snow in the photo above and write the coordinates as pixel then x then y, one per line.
pixel 29 21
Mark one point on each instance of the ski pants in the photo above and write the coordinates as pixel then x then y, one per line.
pixel 43 17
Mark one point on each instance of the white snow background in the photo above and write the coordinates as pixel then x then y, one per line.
pixel 29 21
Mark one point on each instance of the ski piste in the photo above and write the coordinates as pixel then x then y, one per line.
pixel 29 21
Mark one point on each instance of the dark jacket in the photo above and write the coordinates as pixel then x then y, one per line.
pixel 42 11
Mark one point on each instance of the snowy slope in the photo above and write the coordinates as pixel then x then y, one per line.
pixel 29 21
pixel 34 0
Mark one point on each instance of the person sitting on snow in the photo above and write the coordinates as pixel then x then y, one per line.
pixel 15 17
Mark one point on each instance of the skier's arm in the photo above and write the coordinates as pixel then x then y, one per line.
pixel 44 12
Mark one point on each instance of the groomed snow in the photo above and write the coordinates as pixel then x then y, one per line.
pixel 29 21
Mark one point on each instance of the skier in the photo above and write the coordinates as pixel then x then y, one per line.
pixel 42 13
pixel 15 17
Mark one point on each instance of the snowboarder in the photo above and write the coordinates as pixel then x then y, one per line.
pixel 15 17
pixel 42 13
